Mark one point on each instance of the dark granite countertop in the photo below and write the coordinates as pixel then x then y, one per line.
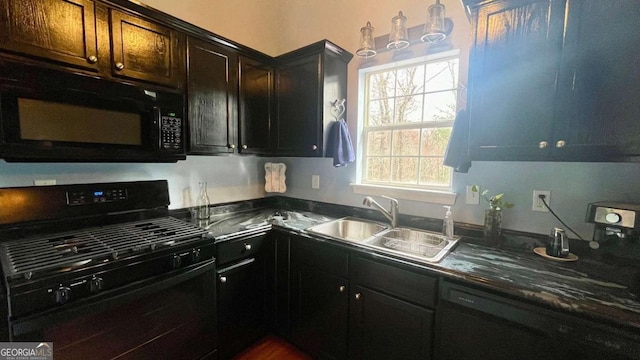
pixel 522 274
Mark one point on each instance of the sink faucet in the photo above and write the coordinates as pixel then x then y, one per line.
pixel 392 214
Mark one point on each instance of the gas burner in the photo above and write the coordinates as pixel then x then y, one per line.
pixel 63 252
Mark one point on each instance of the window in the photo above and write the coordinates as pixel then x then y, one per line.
pixel 408 112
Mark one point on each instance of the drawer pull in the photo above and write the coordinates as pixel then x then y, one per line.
pixel 247 247
pixel 223 279
pixel 358 296
pixel 119 66
pixel 92 59
pixel 342 288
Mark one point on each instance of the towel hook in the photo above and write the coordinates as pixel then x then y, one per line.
pixel 338 108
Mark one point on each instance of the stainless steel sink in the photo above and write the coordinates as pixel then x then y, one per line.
pixel 418 244
pixel 349 228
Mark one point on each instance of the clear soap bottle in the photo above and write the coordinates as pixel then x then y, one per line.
pixel 202 206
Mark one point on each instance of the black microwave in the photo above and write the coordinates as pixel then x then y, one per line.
pixel 61 117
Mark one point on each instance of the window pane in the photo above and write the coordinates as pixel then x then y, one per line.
pixel 442 75
pixel 409 109
pixel 405 170
pixel 440 106
pixel 380 112
pixel 382 85
pixel 378 168
pixel 406 142
pixel 433 172
pixel 434 141
pixel 379 143
pixel 410 81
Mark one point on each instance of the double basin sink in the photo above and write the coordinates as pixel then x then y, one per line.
pixel 407 242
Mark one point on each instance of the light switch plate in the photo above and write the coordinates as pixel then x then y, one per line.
pixel 315 181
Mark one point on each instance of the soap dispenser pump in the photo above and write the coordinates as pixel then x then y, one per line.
pixel 447 224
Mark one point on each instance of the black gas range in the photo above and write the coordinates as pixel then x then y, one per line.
pixel 91 253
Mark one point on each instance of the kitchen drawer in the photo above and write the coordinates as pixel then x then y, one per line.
pixel 413 287
pixel 320 255
pixel 233 250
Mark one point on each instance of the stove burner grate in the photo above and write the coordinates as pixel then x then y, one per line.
pixel 65 251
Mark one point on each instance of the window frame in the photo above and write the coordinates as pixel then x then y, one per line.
pixel 428 193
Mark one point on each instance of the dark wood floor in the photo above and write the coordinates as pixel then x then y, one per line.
pixel 272 348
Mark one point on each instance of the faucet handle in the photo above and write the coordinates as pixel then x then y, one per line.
pixel 393 201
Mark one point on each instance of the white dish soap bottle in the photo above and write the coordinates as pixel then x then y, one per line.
pixel 447 223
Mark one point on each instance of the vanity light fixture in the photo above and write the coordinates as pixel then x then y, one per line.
pixel 435 28
pixel 398 38
pixel 367 42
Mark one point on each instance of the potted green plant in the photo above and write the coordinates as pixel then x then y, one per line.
pixel 493 214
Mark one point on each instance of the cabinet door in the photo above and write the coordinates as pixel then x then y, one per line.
pixel 319 312
pixel 601 74
pixel 383 327
pixel 212 89
pixel 59 30
pixel 255 106
pixel 241 305
pixel 299 121
pixel 144 50
pixel 513 66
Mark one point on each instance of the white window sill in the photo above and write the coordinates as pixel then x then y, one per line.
pixel 430 196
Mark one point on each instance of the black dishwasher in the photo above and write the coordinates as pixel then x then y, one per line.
pixel 475 324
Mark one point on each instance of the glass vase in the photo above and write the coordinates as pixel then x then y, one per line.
pixel 202 206
pixel 492 225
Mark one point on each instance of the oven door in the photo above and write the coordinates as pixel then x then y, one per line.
pixel 169 317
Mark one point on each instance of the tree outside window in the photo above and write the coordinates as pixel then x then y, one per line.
pixel 409 112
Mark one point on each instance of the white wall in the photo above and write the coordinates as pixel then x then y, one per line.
pixel 277 26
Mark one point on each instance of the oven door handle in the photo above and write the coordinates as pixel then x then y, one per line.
pixel 125 295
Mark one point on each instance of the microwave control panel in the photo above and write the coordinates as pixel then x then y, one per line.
pixel 170 133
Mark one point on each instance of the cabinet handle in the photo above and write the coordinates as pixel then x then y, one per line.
pixel 223 279
pixel 342 288
pixel 119 66
pixel 232 146
pixel 561 144
pixel 314 147
pixel 247 247
pixel 542 145
pixel 92 59
pixel 244 147
pixel 358 296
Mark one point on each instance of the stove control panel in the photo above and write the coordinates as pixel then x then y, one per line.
pixel 96 196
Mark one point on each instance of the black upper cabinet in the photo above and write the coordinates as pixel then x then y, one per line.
pixel 212 87
pixel 600 74
pixel 62 31
pixel 92 36
pixel 255 105
pixel 512 78
pixel 308 80
pixel 554 80
pixel 144 50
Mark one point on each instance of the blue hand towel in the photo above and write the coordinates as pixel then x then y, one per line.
pixel 340 146
pixel 457 155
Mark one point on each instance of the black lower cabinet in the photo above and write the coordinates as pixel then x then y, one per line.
pixel 242 293
pixel 474 324
pixel 384 327
pixel 319 298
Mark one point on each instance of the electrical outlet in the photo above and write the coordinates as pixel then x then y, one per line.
pixel 473 198
pixel 44 182
pixel 315 181
pixel 538 205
